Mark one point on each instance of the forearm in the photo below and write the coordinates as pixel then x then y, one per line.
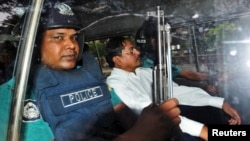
pixel 197 76
pixel 196 97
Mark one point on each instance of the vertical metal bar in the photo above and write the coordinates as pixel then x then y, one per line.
pixel 169 61
pixel 162 87
pixel 196 50
pixel 155 87
pixel 161 66
pixel 22 75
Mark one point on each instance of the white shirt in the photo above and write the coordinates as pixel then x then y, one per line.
pixel 135 90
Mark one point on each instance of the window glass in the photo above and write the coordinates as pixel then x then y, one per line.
pixel 206 36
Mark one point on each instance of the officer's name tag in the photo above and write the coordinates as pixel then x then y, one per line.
pixel 78 97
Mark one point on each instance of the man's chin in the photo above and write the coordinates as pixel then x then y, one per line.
pixel 68 66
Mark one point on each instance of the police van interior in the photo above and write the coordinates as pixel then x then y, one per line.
pixel 205 36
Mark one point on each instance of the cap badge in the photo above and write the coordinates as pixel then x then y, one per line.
pixel 64 9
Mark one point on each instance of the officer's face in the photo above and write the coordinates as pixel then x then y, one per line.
pixel 59 48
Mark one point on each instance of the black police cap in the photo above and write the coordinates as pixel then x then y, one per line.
pixel 60 15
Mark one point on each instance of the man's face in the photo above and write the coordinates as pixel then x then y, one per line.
pixel 59 48
pixel 129 59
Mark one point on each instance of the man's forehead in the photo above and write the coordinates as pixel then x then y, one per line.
pixel 63 31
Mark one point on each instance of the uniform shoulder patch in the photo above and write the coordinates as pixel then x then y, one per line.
pixel 30 111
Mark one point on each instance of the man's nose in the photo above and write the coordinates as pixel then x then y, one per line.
pixel 70 43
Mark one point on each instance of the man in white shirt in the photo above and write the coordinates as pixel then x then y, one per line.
pixel 133 85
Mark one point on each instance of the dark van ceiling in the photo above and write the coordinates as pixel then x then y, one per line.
pixel 178 12
pixel 102 18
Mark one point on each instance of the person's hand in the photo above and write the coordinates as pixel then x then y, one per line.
pixel 234 116
pixel 156 123
pixel 171 110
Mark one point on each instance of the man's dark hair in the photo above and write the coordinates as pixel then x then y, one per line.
pixel 114 48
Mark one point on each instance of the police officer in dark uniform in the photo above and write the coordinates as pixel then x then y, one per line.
pixel 75 100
